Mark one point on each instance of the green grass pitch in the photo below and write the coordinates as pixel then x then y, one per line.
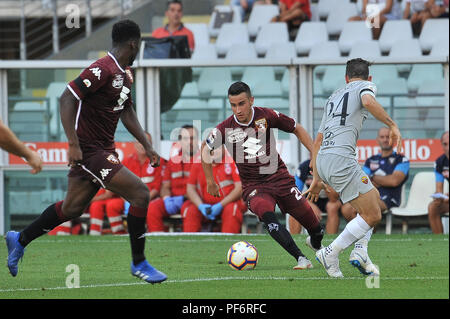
pixel 411 266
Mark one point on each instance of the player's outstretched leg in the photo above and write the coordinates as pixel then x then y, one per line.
pixel 130 187
pixel 359 258
pixel 284 238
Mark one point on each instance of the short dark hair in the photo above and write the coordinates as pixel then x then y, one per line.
pixel 124 31
pixel 174 2
pixel 357 68
pixel 239 87
pixel 187 127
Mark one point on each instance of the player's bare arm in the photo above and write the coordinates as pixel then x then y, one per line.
pixel 131 123
pixel 10 143
pixel 234 195
pixel 192 195
pixel 312 193
pixel 303 137
pixel 391 180
pixel 165 189
pixel 371 104
pixel 68 112
pixel 212 187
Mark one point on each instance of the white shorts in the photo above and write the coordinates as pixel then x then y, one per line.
pixel 344 174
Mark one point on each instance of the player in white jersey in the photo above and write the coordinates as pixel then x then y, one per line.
pixel 335 164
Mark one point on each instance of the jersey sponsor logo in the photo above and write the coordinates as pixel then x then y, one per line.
pixel 236 136
pixel 391 160
pixel 227 169
pixel 117 81
pixel 374 166
pixel 150 169
pixel 112 159
pixel 97 72
pixel 122 99
pixel 251 147
pixel 365 180
pixel 87 83
pixel 105 172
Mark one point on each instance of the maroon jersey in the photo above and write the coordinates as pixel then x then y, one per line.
pixel 253 145
pixel 103 91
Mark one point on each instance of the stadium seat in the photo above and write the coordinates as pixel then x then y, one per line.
pixel 418 199
pixel 259 16
pixel 314 12
pixel 281 51
pixel 389 89
pixel 285 83
pixel 424 72
pixel 268 89
pixel 122 134
pixel 367 50
pixel 211 75
pixel 269 34
pixel 30 121
pixel 200 31
pixel 203 53
pixel 333 78
pixel 353 32
pixel 339 16
pixel 440 47
pixel 394 31
pixel 436 89
pixel 324 7
pixel 309 34
pixel 54 91
pixel 409 48
pixel 433 30
pixel 325 50
pixel 231 33
pixel 381 72
pixel 213 30
pixel 241 52
pixel 255 74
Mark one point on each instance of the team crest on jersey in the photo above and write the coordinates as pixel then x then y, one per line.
pixel 150 169
pixel 236 136
pixel 374 166
pixel 117 81
pixel 227 169
pixel 261 125
pixel 112 159
pixel 365 180
pixel 391 160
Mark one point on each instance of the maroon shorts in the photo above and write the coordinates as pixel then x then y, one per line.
pixel 98 167
pixel 262 198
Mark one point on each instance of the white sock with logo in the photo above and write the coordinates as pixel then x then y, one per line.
pixel 356 229
pixel 364 241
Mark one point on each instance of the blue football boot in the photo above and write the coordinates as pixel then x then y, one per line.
pixel 147 272
pixel 15 251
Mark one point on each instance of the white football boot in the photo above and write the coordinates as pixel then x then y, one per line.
pixel 308 243
pixel 330 262
pixel 361 260
pixel 303 263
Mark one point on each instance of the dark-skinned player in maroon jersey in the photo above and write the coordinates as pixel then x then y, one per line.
pixel 248 136
pixel 90 109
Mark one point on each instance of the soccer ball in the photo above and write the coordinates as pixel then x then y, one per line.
pixel 242 256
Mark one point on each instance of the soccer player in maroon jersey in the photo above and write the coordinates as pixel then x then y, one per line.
pixel 248 136
pixel 90 108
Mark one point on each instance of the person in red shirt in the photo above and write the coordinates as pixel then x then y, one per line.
pixel 173 188
pixel 106 202
pixel 174 27
pixel 204 207
pixel 293 12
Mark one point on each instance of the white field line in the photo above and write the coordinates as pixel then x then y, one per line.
pixel 214 279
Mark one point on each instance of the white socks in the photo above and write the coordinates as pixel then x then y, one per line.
pixel 356 229
pixel 363 242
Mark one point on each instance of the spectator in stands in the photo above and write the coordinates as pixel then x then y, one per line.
pixel 11 144
pixel 176 173
pixel 106 202
pixel 246 6
pixel 440 205
pixel 205 207
pixel 328 201
pixel 417 12
pixel 378 12
pixel 438 8
pixel 175 27
pixel 293 12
